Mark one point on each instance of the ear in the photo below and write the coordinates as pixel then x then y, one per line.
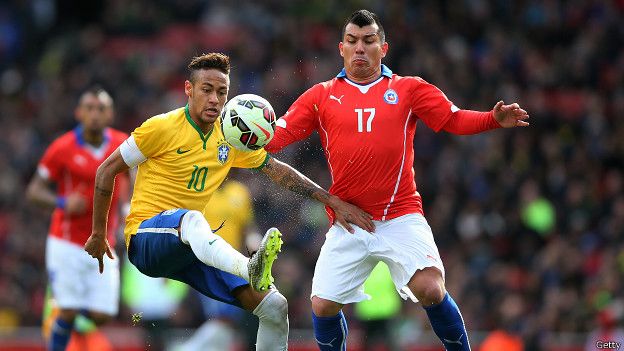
pixel 188 88
pixel 341 49
pixel 384 49
pixel 77 114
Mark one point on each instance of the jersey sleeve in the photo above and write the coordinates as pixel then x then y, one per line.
pixel 149 137
pixel 299 121
pixel 51 165
pixel 250 159
pixel 430 104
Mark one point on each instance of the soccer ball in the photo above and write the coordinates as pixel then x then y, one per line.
pixel 248 122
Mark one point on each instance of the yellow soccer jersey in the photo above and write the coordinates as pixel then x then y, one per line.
pixel 183 167
pixel 230 203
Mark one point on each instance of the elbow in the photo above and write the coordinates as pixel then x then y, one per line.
pixel 31 194
pixel 104 171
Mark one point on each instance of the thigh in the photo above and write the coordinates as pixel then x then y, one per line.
pixel 211 282
pixel 406 245
pixel 66 273
pixel 102 289
pixel 343 265
pixel 157 251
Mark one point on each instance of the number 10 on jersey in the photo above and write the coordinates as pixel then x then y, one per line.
pixel 198 178
pixel 369 121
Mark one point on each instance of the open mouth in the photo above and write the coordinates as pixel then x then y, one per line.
pixel 213 112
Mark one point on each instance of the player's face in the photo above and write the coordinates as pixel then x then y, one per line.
pixel 207 95
pixel 94 112
pixel 362 51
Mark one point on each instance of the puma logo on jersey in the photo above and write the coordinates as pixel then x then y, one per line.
pixel 331 97
pixel 454 341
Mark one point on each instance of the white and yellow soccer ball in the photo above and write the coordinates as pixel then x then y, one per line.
pixel 248 122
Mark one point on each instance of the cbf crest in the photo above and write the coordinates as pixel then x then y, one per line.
pixel 223 152
pixel 391 97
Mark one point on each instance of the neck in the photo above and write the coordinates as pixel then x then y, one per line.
pixel 365 77
pixel 95 138
pixel 205 127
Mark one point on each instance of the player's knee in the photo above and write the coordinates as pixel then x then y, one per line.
pixel 191 224
pixel 428 286
pixel 193 217
pixel 431 294
pixel 325 308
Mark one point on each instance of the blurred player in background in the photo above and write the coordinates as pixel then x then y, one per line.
pixel 70 164
pixel 366 117
pixel 182 159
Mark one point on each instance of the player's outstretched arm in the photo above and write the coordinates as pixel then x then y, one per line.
pixel 293 180
pixel 97 244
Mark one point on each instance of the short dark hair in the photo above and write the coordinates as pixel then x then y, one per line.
pixel 362 18
pixel 99 92
pixel 213 60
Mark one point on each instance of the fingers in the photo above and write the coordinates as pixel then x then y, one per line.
pixel 367 223
pixel 498 106
pixel 101 262
pixel 345 224
pixel 109 253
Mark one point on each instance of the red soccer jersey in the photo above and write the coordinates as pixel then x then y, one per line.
pixel 367 132
pixel 71 164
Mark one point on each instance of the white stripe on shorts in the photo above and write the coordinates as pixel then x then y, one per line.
pixel 158 230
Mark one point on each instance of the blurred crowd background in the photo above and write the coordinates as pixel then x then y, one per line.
pixel 529 222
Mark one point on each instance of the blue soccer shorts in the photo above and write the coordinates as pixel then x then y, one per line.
pixel 157 251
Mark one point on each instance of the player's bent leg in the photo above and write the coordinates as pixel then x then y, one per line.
pixel 271 308
pixel 330 325
pixel 61 330
pixel 444 315
pixel 210 248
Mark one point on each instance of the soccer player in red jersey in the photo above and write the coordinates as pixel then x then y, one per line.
pixel 366 117
pixel 70 163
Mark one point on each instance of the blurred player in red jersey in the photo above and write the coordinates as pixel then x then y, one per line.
pixel 70 163
pixel 366 117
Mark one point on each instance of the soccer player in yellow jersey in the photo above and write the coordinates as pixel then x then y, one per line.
pixel 182 158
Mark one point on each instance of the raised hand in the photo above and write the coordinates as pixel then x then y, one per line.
pixel 509 116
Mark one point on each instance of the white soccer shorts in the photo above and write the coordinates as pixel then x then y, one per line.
pixel 76 281
pixel 346 260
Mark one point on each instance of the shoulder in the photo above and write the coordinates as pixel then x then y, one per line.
pixel 65 141
pixel 320 89
pixel 410 80
pixel 117 135
pixel 165 121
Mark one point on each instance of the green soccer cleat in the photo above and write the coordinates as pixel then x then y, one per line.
pixel 261 262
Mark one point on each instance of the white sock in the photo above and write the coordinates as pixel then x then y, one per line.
pixel 213 335
pixel 273 329
pixel 211 248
